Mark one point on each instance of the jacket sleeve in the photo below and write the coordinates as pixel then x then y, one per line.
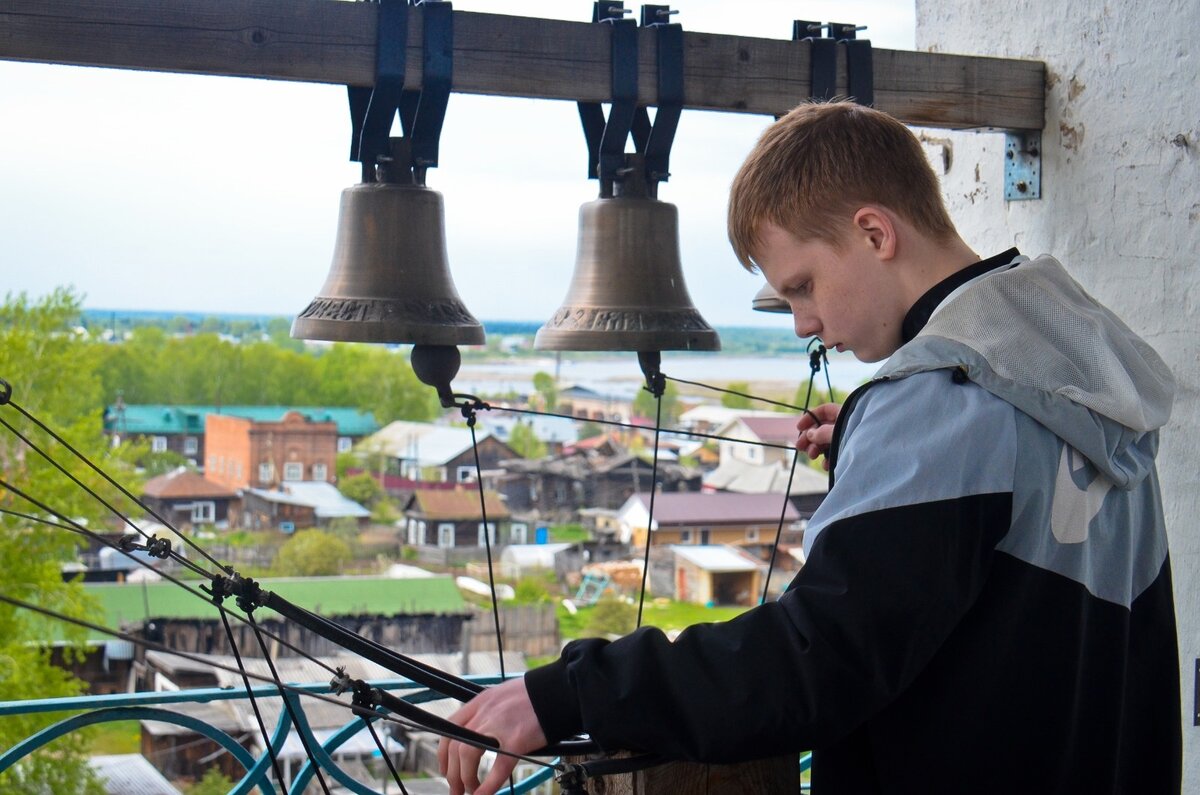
pixel 903 545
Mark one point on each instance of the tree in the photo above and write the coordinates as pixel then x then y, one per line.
pixel 525 442
pixel 611 616
pixel 737 401
pixel 363 488
pixel 644 405
pixel 53 376
pixel 589 429
pixel 311 553
pixel 544 385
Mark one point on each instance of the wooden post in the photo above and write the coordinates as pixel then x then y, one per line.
pixel 324 41
pixel 775 776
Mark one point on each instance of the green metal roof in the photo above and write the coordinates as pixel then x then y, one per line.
pixel 126 602
pixel 163 419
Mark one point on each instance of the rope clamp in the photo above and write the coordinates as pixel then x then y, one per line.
pixel 5 392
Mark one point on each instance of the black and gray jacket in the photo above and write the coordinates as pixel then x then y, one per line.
pixel 987 601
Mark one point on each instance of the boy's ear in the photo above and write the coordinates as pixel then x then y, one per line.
pixel 877 228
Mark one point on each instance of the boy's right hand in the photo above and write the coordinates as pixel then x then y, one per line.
pixel 815 437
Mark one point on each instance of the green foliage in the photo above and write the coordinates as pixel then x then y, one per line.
pixel 645 404
pixel 311 553
pixel 612 617
pixel 52 372
pixel 533 589
pixel 525 443
pixel 737 401
pixel 569 533
pixel 214 782
pixel 545 386
pixel 161 463
pixel 385 512
pixel 363 488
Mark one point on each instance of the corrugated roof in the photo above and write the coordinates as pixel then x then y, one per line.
pixel 747 478
pixel 183 484
pixel 703 508
pixel 123 602
pixel 130 774
pixel 422 442
pixel 716 558
pixel 458 504
pixel 324 498
pixel 780 429
pixel 158 418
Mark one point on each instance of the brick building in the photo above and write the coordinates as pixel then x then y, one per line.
pixel 243 453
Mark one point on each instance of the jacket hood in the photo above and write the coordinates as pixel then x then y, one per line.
pixel 1032 336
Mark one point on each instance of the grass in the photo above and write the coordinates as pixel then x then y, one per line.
pixel 119 737
pixel 666 614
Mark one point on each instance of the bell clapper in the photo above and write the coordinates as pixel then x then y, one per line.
pixel 651 364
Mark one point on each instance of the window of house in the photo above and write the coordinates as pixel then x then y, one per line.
pixel 204 512
pixel 560 492
pixel 466 474
pixel 685 536
pixel 491 536
pixel 421 533
pixel 518 532
pixel 752 535
pixel 344 444
pixel 191 445
pixel 446 536
pixel 320 472
pixel 158 444
pixel 266 472
pixel 293 470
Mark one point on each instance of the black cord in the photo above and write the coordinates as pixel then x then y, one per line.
pixel 287 702
pixel 114 483
pixel 262 727
pixel 487 541
pixel 650 520
pixel 386 757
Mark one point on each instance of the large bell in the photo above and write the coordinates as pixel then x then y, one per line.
pixel 389 281
pixel 767 300
pixel 627 292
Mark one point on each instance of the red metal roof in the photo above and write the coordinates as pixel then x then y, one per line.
pixel 184 484
pixel 779 430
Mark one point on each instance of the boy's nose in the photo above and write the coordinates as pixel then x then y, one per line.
pixel 806 326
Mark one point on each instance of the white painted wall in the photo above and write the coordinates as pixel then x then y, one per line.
pixel 1120 205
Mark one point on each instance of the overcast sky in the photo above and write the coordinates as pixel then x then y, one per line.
pixel 214 194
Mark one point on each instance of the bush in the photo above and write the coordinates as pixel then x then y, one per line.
pixel 311 553
pixel 611 616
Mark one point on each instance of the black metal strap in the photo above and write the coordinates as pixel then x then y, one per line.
pixel 669 58
pixel 860 69
pixel 372 110
pixel 606 138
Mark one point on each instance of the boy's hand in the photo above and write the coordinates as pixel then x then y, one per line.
pixel 815 438
pixel 503 712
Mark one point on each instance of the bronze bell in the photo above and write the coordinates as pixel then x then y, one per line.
pixel 767 300
pixel 390 281
pixel 627 292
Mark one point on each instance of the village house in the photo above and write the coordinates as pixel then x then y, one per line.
pixel 299 504
pixel 558 488
pixel 710 518
pixel 186 499
pixel 588 404
pixel 454 520
pixel 244 453
pixel 181 428
pixel 711 575
pixel 748 467
pixel 422 451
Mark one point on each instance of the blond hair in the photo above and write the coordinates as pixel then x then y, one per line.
pixel 822 161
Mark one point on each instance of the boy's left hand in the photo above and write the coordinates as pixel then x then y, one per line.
pixel 504 712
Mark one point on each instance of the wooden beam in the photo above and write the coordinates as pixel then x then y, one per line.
pixel 326 41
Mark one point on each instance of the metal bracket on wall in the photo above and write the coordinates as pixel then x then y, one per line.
pixel 1022 165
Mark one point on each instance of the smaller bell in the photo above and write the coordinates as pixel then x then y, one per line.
pixel 627 291
pixel 390 281
pixel 767 300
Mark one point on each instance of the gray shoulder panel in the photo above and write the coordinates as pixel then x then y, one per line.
pixel 919 439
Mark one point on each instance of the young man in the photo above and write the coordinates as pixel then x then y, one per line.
pixel 986 603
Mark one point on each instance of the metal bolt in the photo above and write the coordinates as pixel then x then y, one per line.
pixel 667 12
pixel 620 11
pixel 1022 187
pixel 851 28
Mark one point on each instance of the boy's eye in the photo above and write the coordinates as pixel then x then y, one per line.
pixel 800 289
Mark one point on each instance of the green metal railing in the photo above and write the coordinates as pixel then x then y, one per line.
pixel 148 706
